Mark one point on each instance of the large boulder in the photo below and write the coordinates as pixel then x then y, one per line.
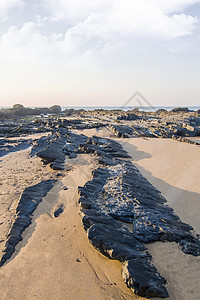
pixel 19 110
pixel 55 109
pixel 18 106
pixel 180 109
pixel 161 111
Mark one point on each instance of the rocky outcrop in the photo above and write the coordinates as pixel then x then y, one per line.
pixel 128 117
pixel 121 212
pixel 58 211
pixel 158 130
pixel 28 202
pixel 19 110
pixel 53 154
pixel 49 149
pixel 55 109
pixel 9 146
pixel 122 131
pixel 180 110
pixel 186 140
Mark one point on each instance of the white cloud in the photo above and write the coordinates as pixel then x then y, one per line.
pixel 146 17
pixel 79 9
pixel 170 6
pixel 29 45
pixel 76 10
pixel 22 45
pixel 7 5
pixel 94 25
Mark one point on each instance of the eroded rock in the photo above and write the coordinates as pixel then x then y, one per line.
pixel 28 202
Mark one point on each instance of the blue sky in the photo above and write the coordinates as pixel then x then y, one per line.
pixel 98 53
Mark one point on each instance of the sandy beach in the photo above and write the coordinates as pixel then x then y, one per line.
pixel 55 259
pixel 57 262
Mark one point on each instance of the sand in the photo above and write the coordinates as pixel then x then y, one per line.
pixel 174 169
pixel 56 260
pixel 17 171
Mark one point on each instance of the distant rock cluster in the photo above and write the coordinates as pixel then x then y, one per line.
pixel 19 110
pixel 165 126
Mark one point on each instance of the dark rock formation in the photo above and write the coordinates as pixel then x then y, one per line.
pixel 159 130
pixel 53 154
pixel 125 131
pixel 55 109
pixel 49 149
pixel 69 111
pixel 73 143
pixel 186 140
pixel 18 106
pixel 8 146
pixel 113 239
pixel 121 211
pixel 180 109
pixel 121 131
pixel 19 110
pixel 161 111
pixel 107 150
pixel 128 117
pixel 59 211
pixel 28 202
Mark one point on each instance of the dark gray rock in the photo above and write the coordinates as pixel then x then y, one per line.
pixel 121 211
pixel 50 150
pixel 55 109
pixel 9 146
pixel 139 276
pixel 59 211
pixel 128 117
pixel 180 109
pixel 28 202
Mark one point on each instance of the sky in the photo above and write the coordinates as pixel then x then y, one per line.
pixel 99 52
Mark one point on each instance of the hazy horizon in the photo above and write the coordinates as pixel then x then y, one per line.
pixel 98 53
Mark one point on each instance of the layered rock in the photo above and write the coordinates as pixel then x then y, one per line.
pixel 9 146
pixel 121 212
pixel 28 202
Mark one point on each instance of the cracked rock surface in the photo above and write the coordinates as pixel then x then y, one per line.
pixel 121 212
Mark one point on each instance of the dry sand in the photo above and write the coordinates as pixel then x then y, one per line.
pixel 17 171
pixel 174 169
pixel 56 261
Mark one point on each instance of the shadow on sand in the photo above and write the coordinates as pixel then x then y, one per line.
pixel 180 270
